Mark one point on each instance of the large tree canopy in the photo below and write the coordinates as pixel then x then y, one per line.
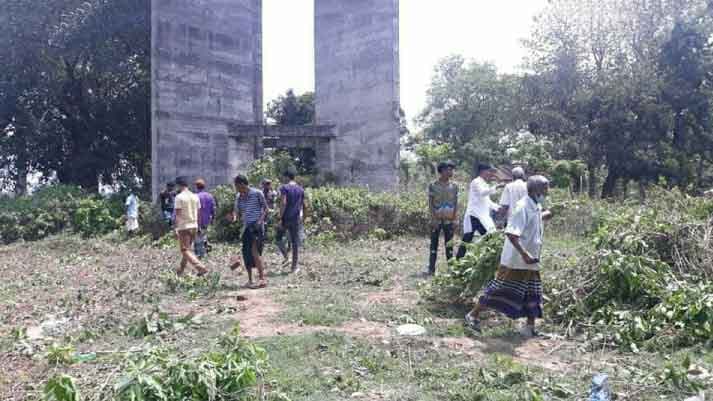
pixel 75 91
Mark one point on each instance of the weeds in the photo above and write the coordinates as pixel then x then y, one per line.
pixel 158 321
pixel 233 371
pixel 61 388
pixel 193 285
pixel 60 354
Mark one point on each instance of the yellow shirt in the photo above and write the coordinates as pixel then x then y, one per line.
pixel 187 206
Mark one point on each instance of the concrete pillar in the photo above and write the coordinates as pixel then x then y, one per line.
pixel 357 87
pixel 206 72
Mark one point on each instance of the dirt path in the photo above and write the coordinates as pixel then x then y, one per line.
pixel 259 316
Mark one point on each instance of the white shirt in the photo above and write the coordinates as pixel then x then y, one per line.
pixel 132 207
pixel 512 193
pixel 526 223
pixel 480 205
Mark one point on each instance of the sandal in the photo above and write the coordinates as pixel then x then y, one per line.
pixel 472 323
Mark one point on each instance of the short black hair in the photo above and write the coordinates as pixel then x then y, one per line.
pixel 444 165
pixel 182 181
pixel 171 184
pixel 483 167
pixel 241 179
pixel 290 173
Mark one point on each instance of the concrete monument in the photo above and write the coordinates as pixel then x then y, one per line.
pixel 207 117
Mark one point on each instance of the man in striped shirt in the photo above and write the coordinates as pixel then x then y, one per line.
pixel 251 209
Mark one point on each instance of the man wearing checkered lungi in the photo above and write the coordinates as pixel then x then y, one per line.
pixel 516 290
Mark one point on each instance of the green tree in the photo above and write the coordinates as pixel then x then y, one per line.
pixel 470 106
pixel 290 109
pixel 599 87
pixel 75 90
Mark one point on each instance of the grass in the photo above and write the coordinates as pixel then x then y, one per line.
pixel 104 287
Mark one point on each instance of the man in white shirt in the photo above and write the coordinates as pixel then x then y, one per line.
pixel 513 192
pixel 516 290
pixel 132 213
pixel 477 216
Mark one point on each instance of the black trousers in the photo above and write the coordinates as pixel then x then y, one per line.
pixel 448 232
pixel 477 226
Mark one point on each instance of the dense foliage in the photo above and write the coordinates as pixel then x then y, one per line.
pixel 624 87
pixel 648 280
pixel 56 208
pixel 290 109
pixel 75 92
pixel 469 275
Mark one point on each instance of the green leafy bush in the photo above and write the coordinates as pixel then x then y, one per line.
pixel 470 274
pixel 647 282
pixel 54 209
pixel 354 212
pixel 348 212
pixel 222 229
pixel 94 216
pixel 33 217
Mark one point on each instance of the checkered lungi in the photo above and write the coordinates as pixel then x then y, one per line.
pixel 515 293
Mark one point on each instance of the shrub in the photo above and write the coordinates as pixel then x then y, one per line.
pixel 46 212
pixel 94 216
pixel 354 212
pixel 222 229
pixel 469 274
pixel 647 281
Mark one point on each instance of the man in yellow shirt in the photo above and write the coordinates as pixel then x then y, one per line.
pixel 186 208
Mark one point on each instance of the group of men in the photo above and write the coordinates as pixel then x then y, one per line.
pixel 190 214
pixel 516 290
pixel 205 213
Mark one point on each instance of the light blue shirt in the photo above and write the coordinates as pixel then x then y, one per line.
pixel 132 207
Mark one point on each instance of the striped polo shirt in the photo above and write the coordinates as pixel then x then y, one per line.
pixel 250 205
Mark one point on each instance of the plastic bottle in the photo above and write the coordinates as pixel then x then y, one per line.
pixel 600 388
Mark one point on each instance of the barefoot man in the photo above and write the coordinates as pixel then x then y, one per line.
pixel 186 209
pixel 251 209
pixel 516 290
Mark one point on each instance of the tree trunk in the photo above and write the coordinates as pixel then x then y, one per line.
pixel 642 191
pixel 609 187
pixel 21 179
pixel 592 180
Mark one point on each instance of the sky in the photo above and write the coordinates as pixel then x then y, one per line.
pixel 485 30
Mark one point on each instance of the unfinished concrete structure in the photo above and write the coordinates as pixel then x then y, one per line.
pixel 357 87
pixel 207 117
